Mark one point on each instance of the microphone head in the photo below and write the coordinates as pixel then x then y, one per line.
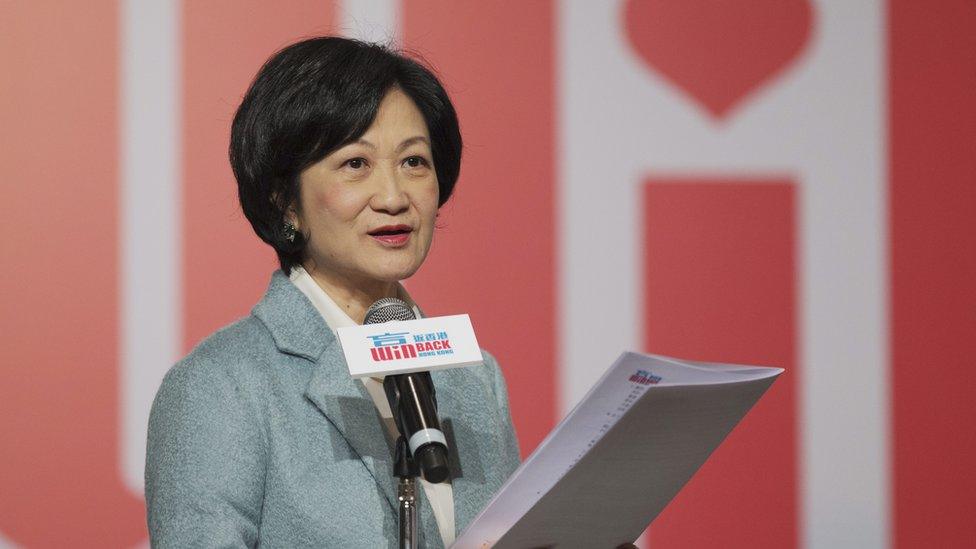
pixel 432 459
pixel 388 309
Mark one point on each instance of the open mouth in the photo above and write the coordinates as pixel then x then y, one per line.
pixel 392 235
pixel 390 230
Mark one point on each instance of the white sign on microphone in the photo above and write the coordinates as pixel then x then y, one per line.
pixel 402 347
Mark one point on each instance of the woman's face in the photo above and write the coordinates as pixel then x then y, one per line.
pixel 368 208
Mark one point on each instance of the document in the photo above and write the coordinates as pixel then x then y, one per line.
pixel 617 459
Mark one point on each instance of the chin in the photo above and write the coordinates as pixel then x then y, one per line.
pixel 396 269
pixel 403 275
pixel 395 273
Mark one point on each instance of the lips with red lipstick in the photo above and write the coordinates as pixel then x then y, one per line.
pixel 392 236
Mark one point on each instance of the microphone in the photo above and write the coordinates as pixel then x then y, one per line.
pixel 412 401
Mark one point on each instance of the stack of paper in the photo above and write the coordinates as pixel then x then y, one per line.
pixel 610 467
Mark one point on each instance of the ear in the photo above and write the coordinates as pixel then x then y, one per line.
pixel 291 210
pixel 291 216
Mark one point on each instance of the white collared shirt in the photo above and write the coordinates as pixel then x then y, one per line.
pixel 441 495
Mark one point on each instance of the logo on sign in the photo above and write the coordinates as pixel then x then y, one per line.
pixel 402 345
pixel 644 377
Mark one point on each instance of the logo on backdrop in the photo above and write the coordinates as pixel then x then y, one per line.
pixel 402 345
pixel 644 377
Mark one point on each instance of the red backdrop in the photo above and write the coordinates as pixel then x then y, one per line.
pixel 497 252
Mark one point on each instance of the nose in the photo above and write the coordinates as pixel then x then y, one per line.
pixel 390 195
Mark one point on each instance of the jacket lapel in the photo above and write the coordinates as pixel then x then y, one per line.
pixel 448 413
pixel 298 329
pixel 346 404
pixel 458 412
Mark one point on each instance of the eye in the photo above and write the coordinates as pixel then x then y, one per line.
pixel 357 163
pixel 416 162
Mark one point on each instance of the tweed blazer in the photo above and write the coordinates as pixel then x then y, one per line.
pixel 261 437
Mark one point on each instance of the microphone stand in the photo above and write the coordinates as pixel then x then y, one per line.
pixel 405 469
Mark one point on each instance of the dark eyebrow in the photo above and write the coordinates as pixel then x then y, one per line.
pixel 406 143
pixel 410 141
pixel 362 141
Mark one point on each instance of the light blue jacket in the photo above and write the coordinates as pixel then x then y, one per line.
pixel 261 437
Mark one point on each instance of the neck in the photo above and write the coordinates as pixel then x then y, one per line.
pixel 353 296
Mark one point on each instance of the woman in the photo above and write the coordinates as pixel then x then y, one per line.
pixel 343 152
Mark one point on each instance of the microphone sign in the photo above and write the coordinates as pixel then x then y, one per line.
pixel 406 346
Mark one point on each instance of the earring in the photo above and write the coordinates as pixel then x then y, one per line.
pixel 290 232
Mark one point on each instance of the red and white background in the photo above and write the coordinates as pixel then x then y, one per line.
pixel 784 182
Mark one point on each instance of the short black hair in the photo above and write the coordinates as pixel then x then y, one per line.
pixel 311 98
